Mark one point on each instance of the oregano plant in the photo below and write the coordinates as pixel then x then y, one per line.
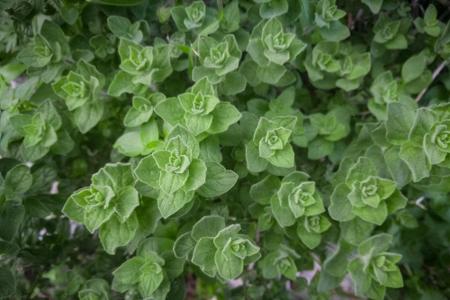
pixel 230 149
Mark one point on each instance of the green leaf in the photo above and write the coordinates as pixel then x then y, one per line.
pixel 269 269
pixel 255 164
pixel 336 32
pixel 271 73
pixel 283 215
pixel 416 160
pixel 72 209
pixel 233 84
pixel 203 256
pixel 319 148
pixel 183 245
pixel 218 180
pixel 362 169
pixel 170 182
pixel 273 9
pixel 127 201
pixel 17 181
pixel 371 214
pixel 137 141
pixel 210 150
pixel 190 143
pixel 87 116
pixel 375 244
pixel 263 190
pixel 284 158
pixel 125 275
pixel 149 281
pixel 96 217
pixel 147 172
pixel 374 5
pixel 198 124
pixel 356 230
pixel 396 201
pixel 207 226
pixel 360 279
pixel 197 175
pixel 7 283
pixel 400 120
pixel 340 208
pixel 336 263
pixel 168 204
pixel 224 235
pixel 228 266
pixel 224 115
pixel 397 168
pixel 11 217
pixel 122 28
pixel 231 17
pixel 414 67
pixel 310 239
pixel 56 37
pixel 120 84
pixel 114 234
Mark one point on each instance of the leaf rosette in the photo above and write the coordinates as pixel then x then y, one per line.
pixel 270 44
pixel 189 17
pixel 196 18
pixel 333 64
pixel 390 34
pixel 327 18
pixel 365 195
pixel 280 262
pixel 143 273
pixel 437 142
pixel 272 8
pixel 375 269
pixel 217 59
pixel 142 109
pixel 142 65
pixel 325 130
pixel 441 136
pixel 47 48
pixel 327 12
pixel 384 270
pixel 199 110
pixel 270 49
pixel 111 193
pixel 271 142
pixel 311 228
pixel 300 195
pixel 430 24
pixel 221 250
pixel 175 171
pixel 81 90
pixel 384 89
pixel 76 90
pixel 39 129
pixel 175 161
pixel 38 53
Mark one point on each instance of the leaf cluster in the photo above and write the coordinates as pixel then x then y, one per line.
pixel 238 149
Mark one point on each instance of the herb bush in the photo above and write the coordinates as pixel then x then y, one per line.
pixel 266 149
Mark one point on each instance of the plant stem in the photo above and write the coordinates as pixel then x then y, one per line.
pixel 436 73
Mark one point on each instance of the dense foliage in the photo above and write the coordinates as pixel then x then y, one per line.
pixel 236 149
